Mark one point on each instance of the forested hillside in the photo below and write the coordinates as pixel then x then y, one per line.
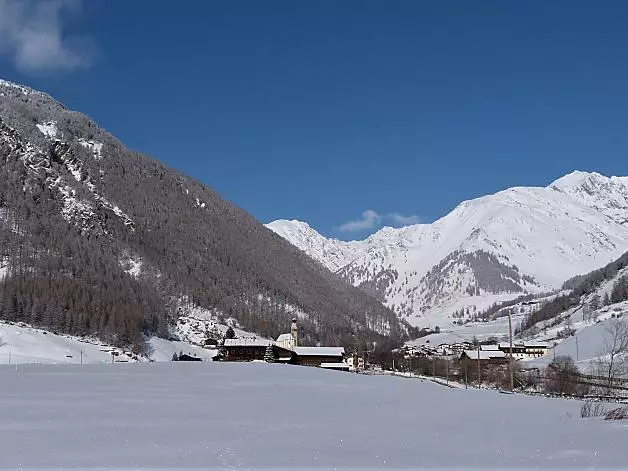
pixel 586 285
pixel 98 239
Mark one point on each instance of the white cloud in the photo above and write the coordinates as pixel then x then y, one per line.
pixel 32 34
pixel 402 220
pixel 371 219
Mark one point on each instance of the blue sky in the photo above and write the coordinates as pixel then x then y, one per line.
pixel 347 111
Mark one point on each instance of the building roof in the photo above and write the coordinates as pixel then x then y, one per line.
pixel 319 351
pixel 247 342
pixel 339 365
pixel 484 354
pixel 489 347
pixel 506 345
pixel 284 337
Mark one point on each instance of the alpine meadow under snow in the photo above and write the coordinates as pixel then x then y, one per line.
pixel 498 247
pixel 270 416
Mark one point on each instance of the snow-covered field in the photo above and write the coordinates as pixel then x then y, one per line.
pixel 25 344
pixel 270 416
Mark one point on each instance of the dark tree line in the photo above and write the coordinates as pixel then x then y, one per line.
pixel 619 292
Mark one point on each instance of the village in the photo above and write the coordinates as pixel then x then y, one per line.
pixel 231 347
pixel 465 361
pixel 525 366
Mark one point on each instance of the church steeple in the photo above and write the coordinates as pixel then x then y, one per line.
pixel 294 330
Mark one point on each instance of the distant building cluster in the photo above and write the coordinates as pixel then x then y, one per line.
pixel 487 353
pixel 286 349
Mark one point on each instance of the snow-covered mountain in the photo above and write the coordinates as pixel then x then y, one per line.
pixel 332 253
pixel 520 240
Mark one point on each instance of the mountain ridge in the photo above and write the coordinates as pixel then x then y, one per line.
pixel 518 240
pixel 99 239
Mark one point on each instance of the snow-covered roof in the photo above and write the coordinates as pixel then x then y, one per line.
pixel 489 348
pixel 506 345
pixel 484 354
pixel 320 351
pixel 340 365
pixel 284 337
pixel 247 342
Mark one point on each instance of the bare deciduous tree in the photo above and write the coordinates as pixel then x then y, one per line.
pixel 562 376
pixel 613 363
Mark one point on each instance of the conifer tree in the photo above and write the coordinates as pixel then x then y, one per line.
pixel 269 355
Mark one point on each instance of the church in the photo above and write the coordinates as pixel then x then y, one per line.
pixel 285 349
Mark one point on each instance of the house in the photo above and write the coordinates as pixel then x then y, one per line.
pixel 489 347
pixel 252 348
pixel 315 356
pixel 187 357
pixel 522 351
pixel 535 350
pixel 244 349
pixel 485 357
pixel 210 342
pixel 355 363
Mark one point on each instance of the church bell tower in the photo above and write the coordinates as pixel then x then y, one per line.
pixel 294 330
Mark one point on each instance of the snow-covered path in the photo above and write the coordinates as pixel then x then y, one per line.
pixel 256 415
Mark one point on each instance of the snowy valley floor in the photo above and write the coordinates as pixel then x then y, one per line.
pixel 262 416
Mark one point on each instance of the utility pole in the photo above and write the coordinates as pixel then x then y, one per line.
pixel 466 381
pixel 577 349
pixel 81 357
pixel 479 368
pixel 447 360
pixel 512 373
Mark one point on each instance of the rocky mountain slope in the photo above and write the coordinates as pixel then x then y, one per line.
pixel 520 240
pixel 96 239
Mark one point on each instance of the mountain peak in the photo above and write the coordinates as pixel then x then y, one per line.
pixel 576 179
pixel 522 240
pixel 292 223
pixel 608 195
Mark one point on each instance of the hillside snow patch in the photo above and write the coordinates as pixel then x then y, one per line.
pixel 94 146
pixel 49 129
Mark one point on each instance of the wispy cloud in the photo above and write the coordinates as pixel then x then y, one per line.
pixel 32 34
pixel 402 220
pixel 371 219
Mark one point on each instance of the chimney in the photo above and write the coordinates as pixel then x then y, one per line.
pixel 294 330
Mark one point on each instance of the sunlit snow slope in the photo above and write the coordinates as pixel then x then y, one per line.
pixel 520 240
